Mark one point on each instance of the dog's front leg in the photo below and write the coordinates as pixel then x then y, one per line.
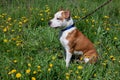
pixel 68 58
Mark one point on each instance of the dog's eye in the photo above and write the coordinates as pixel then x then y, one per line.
pixel 58 18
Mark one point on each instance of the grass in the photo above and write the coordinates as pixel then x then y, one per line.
pixel 30 49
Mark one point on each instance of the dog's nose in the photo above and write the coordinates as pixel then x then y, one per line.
pixel 49 23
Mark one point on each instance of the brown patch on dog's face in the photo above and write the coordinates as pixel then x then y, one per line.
pixel 66 14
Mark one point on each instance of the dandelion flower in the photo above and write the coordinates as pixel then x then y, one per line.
pixel 41 14
pixel 42 19
pixel 18 75
pixel 34 72
pixel 76 17
pixel 29 65
pixel 76 72
pixel 18 44
pixel 28 71
pixel 38 67
pixel 13 30
pixel 15 61
pixel 67 77
pixel 33 78
pixel 104 64
pixel 79 77
pixel 51 65
pixel 53 58
pixel 49 69
pixel 25 20
pixel 112 58
pixel 106 17
pixel 12 71
pixel 67 74
pixel 93 21
pixel 107 29
pixel 115 38
pixel 80 67
pixel 94 75
pixel 5 40
pixel 9 19
pixel 5 29
pixel 20 23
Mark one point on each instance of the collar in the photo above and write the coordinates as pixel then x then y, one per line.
pixel 68 27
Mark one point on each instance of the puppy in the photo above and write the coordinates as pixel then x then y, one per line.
pixel 73 41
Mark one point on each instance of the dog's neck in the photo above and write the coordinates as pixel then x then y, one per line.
pixel 68 24
pixel 68 27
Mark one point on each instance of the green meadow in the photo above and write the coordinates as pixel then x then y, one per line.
pixel 30 49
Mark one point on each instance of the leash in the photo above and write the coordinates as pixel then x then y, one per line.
pixel 99 7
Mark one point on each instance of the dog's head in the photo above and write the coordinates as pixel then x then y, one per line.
pixel 61 18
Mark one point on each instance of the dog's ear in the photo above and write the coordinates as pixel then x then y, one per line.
pixel 67 14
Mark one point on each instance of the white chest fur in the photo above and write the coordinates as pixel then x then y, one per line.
pixel 63 39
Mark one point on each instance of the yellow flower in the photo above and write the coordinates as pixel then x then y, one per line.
pixel 41 14
pixel 39 70
pixel 33 78
pixel 79 77
pixel 80 67
pixel 93 25
pixel 34 72
pixel 93 21
pixel 13 30
pixel 51 65
pixel 77 72
pixel 38 67
pixel 5 40
pixel 53 58
pixel 15 20
pixel 18 44
pixel 29 65
pixel 5 29
pixel 25 20
pixel 49 69
pixel 12 71
pixel 87 20
pixel 9 19
pixel 20 23
pixel 115 38
pixel 76 17
pixel 67 77
pixel 15 61
pixel 104 64
pixel 94 75
pixel 107 29
pixel 106 17
pixel 42 19
pixel 112 58
pixel 18 75
pixel 67 74
pixel 28 71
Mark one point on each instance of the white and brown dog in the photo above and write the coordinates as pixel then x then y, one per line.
pixel 72 39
